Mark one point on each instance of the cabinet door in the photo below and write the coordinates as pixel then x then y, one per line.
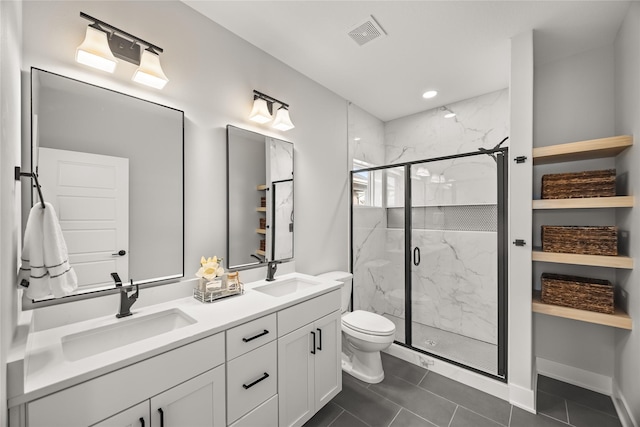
pixel 295 377
pixel 136 416
pixel 328 369
pixel 198 402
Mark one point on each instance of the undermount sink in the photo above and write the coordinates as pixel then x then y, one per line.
pixel 286 287
pixel 127 331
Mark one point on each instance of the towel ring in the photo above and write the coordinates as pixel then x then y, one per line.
pixel 34 177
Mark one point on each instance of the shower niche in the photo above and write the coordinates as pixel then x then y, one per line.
pixel 428 242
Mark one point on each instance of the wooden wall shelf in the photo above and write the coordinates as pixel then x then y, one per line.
pixel 261 209
pixel 582 150
pixel 261 231
pixel 262 187
pixel 578 259
pixel 259 252
pixel 619 319
pixel 585 203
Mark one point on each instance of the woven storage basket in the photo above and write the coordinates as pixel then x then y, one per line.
pixel 578 292
pixel 580 240
pixel 263 223
pixel 601 183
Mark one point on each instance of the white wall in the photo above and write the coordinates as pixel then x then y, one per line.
pixel 627 108
pixel 574 101
pixel 212 75
pixel 10 58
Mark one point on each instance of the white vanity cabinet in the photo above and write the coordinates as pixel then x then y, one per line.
pixel 197 402
pixel 178 381
pixel 309 371
pixel 252 372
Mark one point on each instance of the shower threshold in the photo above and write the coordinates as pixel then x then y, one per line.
pixel 471 352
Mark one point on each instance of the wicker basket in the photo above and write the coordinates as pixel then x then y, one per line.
pixel 600 183
pixel 263 223
pixel 580 240
pixel 578 292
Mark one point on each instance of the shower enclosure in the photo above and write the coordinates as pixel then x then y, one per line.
pixel 428 245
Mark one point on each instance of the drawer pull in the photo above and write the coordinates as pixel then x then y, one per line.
pixel 313 348
pixel 141 422
pixel 262 378
pixel 161 417
pixel 263 333
pixel 319 338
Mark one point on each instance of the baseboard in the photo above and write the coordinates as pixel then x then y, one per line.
pixel 522 398
pixel 576 376
pixel 622 407
pixel 480 382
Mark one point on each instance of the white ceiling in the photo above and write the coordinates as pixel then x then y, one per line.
pixel 460 48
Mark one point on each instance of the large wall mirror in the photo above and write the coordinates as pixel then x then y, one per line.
pixel 260 199
pixel 112 167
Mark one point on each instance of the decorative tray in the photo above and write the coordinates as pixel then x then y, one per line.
pixel 211 296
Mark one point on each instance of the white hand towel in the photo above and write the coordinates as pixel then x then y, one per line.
pixel 45 265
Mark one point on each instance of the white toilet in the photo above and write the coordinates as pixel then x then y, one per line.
pixel 364 335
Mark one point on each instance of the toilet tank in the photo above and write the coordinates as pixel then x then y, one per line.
pixel 347 280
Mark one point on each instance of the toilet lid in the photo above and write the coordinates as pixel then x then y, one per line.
pixel 368 323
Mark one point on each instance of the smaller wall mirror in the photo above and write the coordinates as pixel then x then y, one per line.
pixel 259 199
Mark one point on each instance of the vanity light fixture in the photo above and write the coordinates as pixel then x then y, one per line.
pixel 104 44
pixel 263 108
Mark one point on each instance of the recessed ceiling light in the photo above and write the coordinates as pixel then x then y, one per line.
pixel 449 115
pixel 356 139
pixel 429 94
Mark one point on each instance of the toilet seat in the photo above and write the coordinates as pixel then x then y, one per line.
pixel 368 323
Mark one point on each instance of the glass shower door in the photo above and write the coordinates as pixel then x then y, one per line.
pixel 378 243
pixel 455 273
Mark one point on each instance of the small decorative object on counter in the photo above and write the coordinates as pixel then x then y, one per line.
pixel 212 283
pixel 233 280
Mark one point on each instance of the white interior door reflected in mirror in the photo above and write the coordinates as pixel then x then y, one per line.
pixel 90 194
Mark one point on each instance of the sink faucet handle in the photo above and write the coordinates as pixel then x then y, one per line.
pixel 116 279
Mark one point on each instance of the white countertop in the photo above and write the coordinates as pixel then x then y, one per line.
pixel 47 370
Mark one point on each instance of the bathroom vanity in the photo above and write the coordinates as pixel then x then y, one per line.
pixel 268 357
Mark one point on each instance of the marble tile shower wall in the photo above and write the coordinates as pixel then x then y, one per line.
pixel 454 288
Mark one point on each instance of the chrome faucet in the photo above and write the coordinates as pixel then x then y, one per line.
pixel 272 267
pixel 126 300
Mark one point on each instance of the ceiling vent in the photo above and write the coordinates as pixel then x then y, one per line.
pixel 366 31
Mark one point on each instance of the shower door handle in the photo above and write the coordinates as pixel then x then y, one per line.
pixel 416 256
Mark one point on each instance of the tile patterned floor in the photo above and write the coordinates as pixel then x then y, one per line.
pixel 411 396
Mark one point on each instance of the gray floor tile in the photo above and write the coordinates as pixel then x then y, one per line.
pixel 408 419
pixel 572 393
pixel 402 369
pixel 475 400
pixel 347 420
pixel 522 418
pixel 581 416
pixel 465 418
pixel 552 405
pixel 325 416
pixel 365 404
pixel 417 400
pixel 347 377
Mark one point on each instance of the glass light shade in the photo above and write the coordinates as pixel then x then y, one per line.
pixel 95 52
pixel 282 120
pixel 260 111
pixel 150 72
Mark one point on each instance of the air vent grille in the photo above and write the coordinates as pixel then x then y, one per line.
pixel 366 32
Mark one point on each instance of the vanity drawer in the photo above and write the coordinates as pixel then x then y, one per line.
pixel 265 415
pixel 251 379
pixel 299 315
pixel 250 335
